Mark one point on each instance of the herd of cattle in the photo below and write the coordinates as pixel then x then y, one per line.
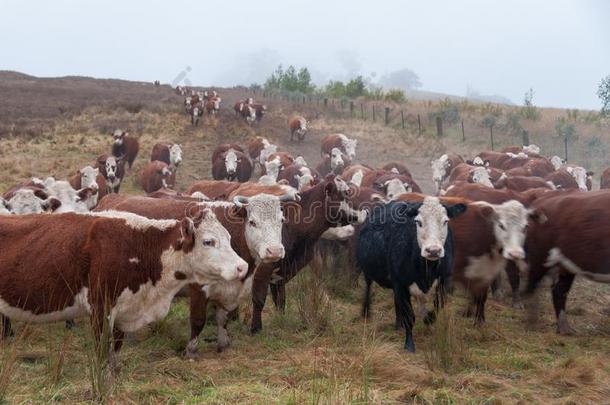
pixel 123 258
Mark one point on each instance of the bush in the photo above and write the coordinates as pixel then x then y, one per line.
pixel 448 111
pixel 603 92
pixel 395 95
pixel 529 110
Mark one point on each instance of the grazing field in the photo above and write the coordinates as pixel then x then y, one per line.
pixel 320 350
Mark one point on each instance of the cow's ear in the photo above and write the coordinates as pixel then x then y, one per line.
pixel 487 211
pixel 187 235
pixel 537 216
pixel 329 188
pixel 590 173
pixel 455 210
pixel 51 204
pixel 41 194
pixel 85 193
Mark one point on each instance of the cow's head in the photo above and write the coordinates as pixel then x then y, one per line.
pixel 338 201
pixel 264 222
pixel 480 175
pixel 272 168
pixel 336 159
pixel 231 161
pixel 250 113
pixel 112 165
pixel 395 187
pixel 300 160
pixel 118 135
pixel 175 155
pixel 72 200
pixel 88 177
pixel 266 152
pixel 431 224
pixel 350 147
pixel 4 207
pixel 440 170
pixel 557 162
pixel 206 246
pixel 28 201
pixel 531 149
pixel 580 175
pixel 510 221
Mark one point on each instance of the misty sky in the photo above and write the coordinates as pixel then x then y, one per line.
pixel 560 48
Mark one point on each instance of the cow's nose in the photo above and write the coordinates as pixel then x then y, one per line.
pixel 516 254
pixel 275 252
pixel 434 251
pixel 242 271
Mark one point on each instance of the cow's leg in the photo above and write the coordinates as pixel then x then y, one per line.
pixel 223 341
pixel 496 288
pixel 198 311
pixel 278 294
pixel 366 301
pixel 479 302
pixel 512 271
pixel 70 324
pixel 404 312
pixel 118 337
pixel 260 286
pixel 560 295
pixel 6 330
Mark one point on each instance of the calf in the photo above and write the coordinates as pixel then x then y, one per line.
pixel 298 127
pixel 113 170
pixel 124 146
pixel 212 106
pixel 150 262
pixel 299 177
pixel 286 159
pixel 407 247
pixel 572 242
pixel 260 110
pixel 88 177
pixel 605 179
pixel 248 113
pixel 232 165
pixel 156 175
pixel 169 153
pixel 442 168
pixel 340 141
pixel 333 164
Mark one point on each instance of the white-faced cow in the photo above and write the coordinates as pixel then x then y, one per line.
pixel 125 146
pixel 170 153
pixel 157 175
pixel 196 113
pixel 442 168
pixel 113 170
pixel 298 127
pixel 232 165
pixel 340 141
pixel 88 177
pixel 333 164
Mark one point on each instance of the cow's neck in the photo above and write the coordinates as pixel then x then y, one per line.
pixel 313 221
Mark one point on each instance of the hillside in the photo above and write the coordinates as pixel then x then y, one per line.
pixel 319 351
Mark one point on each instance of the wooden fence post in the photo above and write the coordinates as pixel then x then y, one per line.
pixel 373 112
pixel 351 109
pixel 325 102
pixel 565 147
pixel 526 137
pixel 362 111
pixel 303 99
pixel 387 115
pixel 439 126
pixel 402 118
pixel 418 125
pixel 463 133
pixel 491 136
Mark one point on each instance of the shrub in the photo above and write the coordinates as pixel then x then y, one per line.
pixel 395 95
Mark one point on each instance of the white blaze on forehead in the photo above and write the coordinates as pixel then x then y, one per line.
pixel 264 227
pixel 557 162
pixel 481 175
pixel 439 168
pixel 432 227
pixel 231 161
pixel 175 154
pixel 477 161
pixel 510 223
pixel 394 188
pixel 336 159
pixel 580 175
pixel 25 202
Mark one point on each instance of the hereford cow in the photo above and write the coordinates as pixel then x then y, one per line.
pixel 298 127
pixel 562 180
pixel 355 173
pixel 255 226
pixel 255 147
pixel 223 148
pixel 71 200
pixel 272 170
pixel 125 146
pixel 30 201
pixel 392 185
pixel 212 106
pixel 464 172
pixel 581 175
pixel 572 242
pixel 232 165
pixel 340 141
pixel 533 167
pixel 157 175
pixel 522 183
pixel 169 153
pixel 88 177
pixel 605 179
pixel 196 113
pixel 113 170
pixel 397 168
pixel 322 206
pixel 333 164
pixel 407 247
pixel 286 160
pixel 299 177
pixel 442 168
pixel 213 189
pixel 151 261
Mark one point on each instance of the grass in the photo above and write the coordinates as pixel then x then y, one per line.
pixel 320 350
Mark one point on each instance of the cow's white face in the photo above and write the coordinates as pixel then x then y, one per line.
pixel 196 113
pixel 395 187
pixel 26 202
pixel 510 221
pixel 112 166
pixel 531 149
pixel 273 168
pixel 350 147
pixel 300 161
pixel 336 159
pixel 231 161
pixel 431 224
pixel 175 155
pixel 264 228
pixel 251 114
pixel 304 180
pixel 88 177
pixel 481 175
pixel 212 258
pixel 118 136
pixel 439 170
pixel 303 122
pixel 216 103
pixel 265 153
pixel 580 175
pixel 557 162
pixel 70 199
pixel 477 161
pixel 4 207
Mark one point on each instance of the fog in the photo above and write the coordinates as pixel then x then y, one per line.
pixel 559 48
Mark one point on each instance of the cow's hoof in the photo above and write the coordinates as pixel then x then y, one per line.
pixel 563 327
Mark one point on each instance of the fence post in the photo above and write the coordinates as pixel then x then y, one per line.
pixel 565 147
pixel 402 118
pixel 303 99
pixel 491 136
pixel 526 137
pixel 351 109
pixel 362 111
pixel 463 133
pixel 439 126
pixel 418 125
pixel 387 115
pixel 373 112
pixel 325 102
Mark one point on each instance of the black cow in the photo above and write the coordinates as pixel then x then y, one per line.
pixel 407 247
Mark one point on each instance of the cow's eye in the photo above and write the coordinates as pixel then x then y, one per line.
pixel 445 222
pixel 419 223
pixel 252 223
pixel 209 242
pixel 502 227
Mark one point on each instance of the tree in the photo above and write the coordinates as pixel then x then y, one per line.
pixel 335 88
pixel 529 110
pixel 603 92
pixel 290 80
pixel 355 87
pixel 401 79
pixel 304 80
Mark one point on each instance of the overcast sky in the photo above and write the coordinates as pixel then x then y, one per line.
pixel 560 48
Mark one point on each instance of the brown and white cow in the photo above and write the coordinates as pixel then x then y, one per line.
pixel 125 146
pixel 523 183
pixel 232 165
pixel 562 180
pixel 355 173
pixel 88 177
pixel 113 170
pixel 299 177
pixel 464 172
pixel 397 168
pixel 30 200
pixel 572 242
pixel 605 179
pixel 298 127
pixel 334 163
pixel 223 148
pixel 442 168
pixel 196 112
pixel 260 111
pixel 213 189
pixel 212 106
pixel 150 261
pixel 255 146
pixel 340 141
pixel 322 206
pixel 157 175
pixel 272 170
pixel 170 153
